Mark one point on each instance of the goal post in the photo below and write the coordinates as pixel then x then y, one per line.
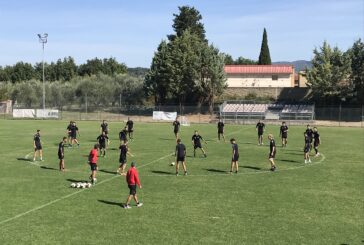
pixel 184 121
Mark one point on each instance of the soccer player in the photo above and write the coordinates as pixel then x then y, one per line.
pixel 283 133
pixel 317 141
pixel 180 154
pixel 196 141
pixel 37 144
pixel 235 156
pixel 124 150
pixel 306 149
pixel 272 152
pixel 260 127
pixel 133 180
pixel 309 133
pixel 220 129
pixel 123 135
pixel 69 133
pixel 74 131
pixel 61 153
pixel 104 127
pixel 176 125
pixel 103 142
pixel 92 160
pixel 130 125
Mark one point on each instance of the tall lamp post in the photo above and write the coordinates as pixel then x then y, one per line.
pixel 43 40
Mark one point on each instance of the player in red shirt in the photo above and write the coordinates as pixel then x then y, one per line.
pixel 133 180
pixel 92 160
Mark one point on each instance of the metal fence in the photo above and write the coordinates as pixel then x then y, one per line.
pixel 328 116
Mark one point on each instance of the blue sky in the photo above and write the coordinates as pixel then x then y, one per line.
pixel 130 31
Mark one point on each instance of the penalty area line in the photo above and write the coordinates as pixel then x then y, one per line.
pixel 72 194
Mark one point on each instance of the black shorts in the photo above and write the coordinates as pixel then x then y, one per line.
pixel 130 130
pixel 180 159
pixel 235 158
pixel 272 155
pixel 93 166
pixel 316 143
pixel 220 131
pixel 284 136
pixel 60 156
pixel 260 133
pixel 122 160
pixel 306 150
pixel 132 189
pixel 198 145
pixel 102 146
pixel 175 131
pixel 73 136
pixel 38 147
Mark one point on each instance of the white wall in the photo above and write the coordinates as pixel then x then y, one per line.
pixel 258 80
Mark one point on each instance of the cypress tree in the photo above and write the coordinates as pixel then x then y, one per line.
pixel 264 56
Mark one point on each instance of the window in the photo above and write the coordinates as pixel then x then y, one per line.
pixel 274 77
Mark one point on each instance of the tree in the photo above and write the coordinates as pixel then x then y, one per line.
pixel 243 61
pixel 158 80
pixel 212 80
pixel 357 67
pixel 188 18
pixel 264 56
pixel 329 76
pixel 228 59
pixel 21 72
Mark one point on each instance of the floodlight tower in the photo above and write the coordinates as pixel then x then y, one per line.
pixel 43 40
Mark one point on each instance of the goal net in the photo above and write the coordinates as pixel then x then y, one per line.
pixel 184 121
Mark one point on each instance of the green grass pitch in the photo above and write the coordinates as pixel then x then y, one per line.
pixel 321 203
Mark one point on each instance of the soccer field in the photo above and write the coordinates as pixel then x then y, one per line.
pixel 318 203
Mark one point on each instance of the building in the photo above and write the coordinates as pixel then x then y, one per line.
pixel 260 76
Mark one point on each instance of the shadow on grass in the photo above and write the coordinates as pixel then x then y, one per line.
pixel 76 180
pixel 285 160
pixel 23 159
pixel 161 172
pixel 107 171
pixel 215 170
pixel 111 203
pixel 251 167
pixel 48 168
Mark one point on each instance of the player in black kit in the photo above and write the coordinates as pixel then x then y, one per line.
pixel 61 153
pixel 176 125
pixel 316 141
pixel 309 133
pixel 104 127
pixel 130 126
pixel 260 127
pixel 283 133
pixel 235 156
pixel 103 140
pixel 180 154
pixel 37 144
pixel 124 150
pixel 220 130
pixel 123 135
pixel 306 149
pixel 196 142
pixel 272 152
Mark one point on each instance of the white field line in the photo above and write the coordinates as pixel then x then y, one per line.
pixel 72 194
pixel 247 173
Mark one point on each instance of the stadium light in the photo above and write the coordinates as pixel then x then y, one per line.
pixel 43 40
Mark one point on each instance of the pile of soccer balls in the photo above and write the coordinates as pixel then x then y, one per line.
pixel 81 185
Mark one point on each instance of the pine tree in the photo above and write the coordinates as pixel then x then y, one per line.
pixel 264 57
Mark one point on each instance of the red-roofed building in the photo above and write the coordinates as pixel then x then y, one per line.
pixel 260 76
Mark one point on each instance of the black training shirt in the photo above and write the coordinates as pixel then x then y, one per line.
pixel 180 150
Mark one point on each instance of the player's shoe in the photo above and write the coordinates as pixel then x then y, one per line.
pixel 127 206
pixel 176 174
pixel 139 204
pixel 205 155
pixel 185 173
pixel 309 160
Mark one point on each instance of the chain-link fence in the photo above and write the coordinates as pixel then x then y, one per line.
pixel 330 116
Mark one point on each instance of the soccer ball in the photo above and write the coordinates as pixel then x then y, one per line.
pixel 173 163
pixel 88 185
pixel 73 185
